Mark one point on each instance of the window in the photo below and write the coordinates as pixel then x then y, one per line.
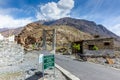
pixel 90 47
pixel 106 44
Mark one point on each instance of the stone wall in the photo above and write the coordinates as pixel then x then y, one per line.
pixel 98 53
pixel 99 43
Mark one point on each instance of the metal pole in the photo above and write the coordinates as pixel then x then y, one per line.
pixel 54 41
pixel 54 68
pixel 44 39
pixel 54 73
pixel 43 67
pixel 38 62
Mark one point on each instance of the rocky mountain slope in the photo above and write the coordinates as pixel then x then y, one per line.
pixel 3 29
pixel 32 33
pixel 83 25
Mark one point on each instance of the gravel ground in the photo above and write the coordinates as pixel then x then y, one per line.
pixel 29 69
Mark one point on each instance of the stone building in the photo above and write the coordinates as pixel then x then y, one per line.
pixel 98 47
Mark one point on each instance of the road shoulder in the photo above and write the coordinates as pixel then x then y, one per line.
pixel 67 73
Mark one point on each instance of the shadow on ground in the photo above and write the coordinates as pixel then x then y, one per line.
pixel 36 76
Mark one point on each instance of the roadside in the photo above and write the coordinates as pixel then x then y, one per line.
pixel 68 75
pixel 115 62
pixel 87 71
pixel 29 70
pixel 101 61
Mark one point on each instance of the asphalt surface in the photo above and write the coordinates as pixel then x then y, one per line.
pixel 86 70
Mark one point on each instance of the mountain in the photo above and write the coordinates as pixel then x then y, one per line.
pixel 3 29
pixel 83 25
pixel 32 33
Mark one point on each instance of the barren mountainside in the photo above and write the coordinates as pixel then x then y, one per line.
pixel 84 26
pixel 64 34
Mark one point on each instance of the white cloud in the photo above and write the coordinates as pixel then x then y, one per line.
pixel 7 19
pixel 54 10
pixel 66 4
pixel 116 29
pixel 10 22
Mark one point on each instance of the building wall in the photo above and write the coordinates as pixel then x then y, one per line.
pixel 99 43
pixel 103 49
pixel 99 53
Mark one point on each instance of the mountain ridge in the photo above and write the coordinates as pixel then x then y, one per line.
pixel 32 34
pixel 83 25
pixel 8 32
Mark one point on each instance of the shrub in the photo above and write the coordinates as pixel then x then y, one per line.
pixel 33 46
pixel 95 48
pixel 76 46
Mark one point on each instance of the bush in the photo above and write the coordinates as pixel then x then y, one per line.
pixel 76 46
pixel 95 48
pixel 33 46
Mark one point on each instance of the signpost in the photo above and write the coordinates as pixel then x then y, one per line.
pixel 48 61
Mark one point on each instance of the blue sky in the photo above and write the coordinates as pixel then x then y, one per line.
pixel 16 13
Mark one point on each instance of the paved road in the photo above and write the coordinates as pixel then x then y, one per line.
pixel 87 71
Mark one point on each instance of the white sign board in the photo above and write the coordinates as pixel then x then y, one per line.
pixel 40 58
